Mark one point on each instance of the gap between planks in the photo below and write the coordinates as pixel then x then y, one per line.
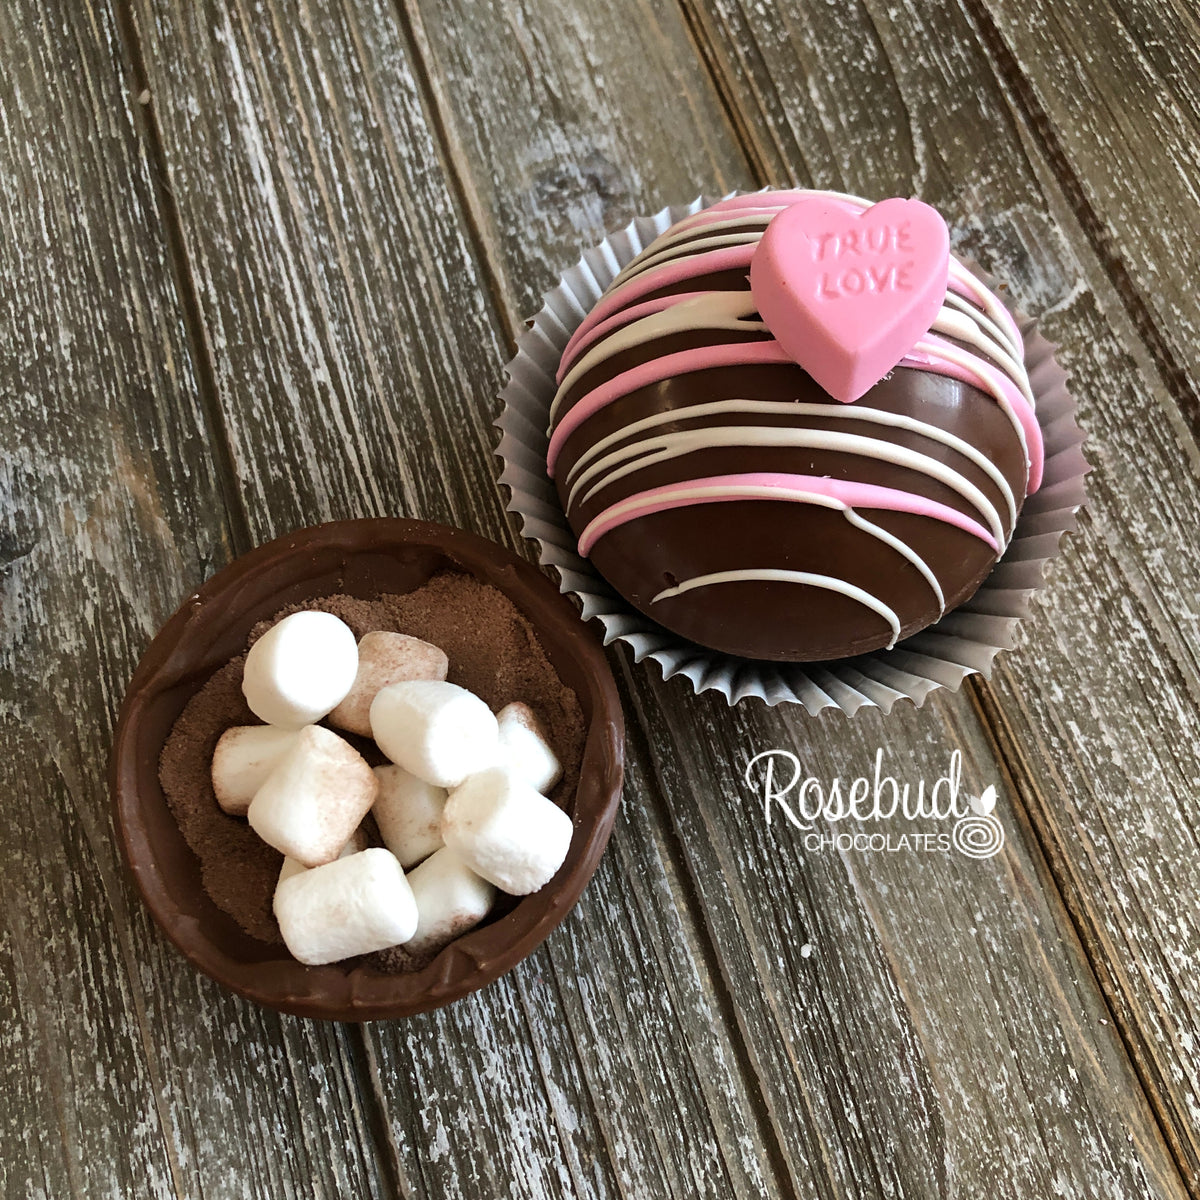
pixel 146 121
pixel 366 1066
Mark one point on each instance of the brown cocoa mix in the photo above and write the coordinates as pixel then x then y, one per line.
pixel 493 652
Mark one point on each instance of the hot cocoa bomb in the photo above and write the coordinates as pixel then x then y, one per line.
pixel 729 496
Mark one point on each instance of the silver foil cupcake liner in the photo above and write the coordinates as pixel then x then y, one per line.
pixel 964 642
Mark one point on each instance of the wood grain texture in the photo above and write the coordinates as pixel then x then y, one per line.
pixel 1114 110
pixel 355 359
pixel 63 995
pixel 122 1074
pixel 875 1044
pixel 575 126
pixel 1110 91
pixel 368 200
pixel 1096 712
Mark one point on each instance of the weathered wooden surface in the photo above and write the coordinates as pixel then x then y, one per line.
pixel 355 373
pixel 1117 808
pixel 280 289
pixel 1111 91
pixel 861 153
pixel 122 1073
pixel 1084 733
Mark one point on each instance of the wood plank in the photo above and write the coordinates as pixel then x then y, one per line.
pixel 1110 91
pixel 553 131
pixel 122 1073
pixel 355 358
pixel 891 940
pixel 62 987
pixel 1098 742
pixel 1116 111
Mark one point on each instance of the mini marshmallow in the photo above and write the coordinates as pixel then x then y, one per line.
pixel 355 905
pixel 506 831
pixel 524 748
pixel 300 669
pixel 450 898
pixel 244 757
pixel 408 812
pixel 358 842
pixel 437 731
pixel 315 798
pixel 385 658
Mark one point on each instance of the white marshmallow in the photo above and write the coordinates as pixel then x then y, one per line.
pixel 437 731
pixel 355 905
pixel 408 812
pixel 292 867
pixel 358 842
pixel 300 669
pixel 506 831
pixel 385 658
pixel 242 760
pixel 315 798
pixel 524 748
pixel 450 898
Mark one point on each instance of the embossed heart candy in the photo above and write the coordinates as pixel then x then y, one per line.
pixel 847 293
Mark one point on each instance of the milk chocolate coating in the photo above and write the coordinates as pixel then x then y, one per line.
pixel 364 559
pixel 762 618
pixel 780 621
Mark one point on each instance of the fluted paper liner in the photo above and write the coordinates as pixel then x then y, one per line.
pixel 962 643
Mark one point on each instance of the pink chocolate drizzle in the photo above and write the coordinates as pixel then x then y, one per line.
pixel 986 352
pixel 767 485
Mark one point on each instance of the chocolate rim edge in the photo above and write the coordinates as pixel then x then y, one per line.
pixel 171 666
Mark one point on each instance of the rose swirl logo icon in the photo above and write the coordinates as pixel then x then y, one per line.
pixel 981 835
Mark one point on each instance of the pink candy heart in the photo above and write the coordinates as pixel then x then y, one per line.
pixel 848 293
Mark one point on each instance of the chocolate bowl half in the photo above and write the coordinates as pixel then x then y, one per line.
pixel 363 559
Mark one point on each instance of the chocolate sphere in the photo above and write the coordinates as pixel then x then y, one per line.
pixel 726 495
